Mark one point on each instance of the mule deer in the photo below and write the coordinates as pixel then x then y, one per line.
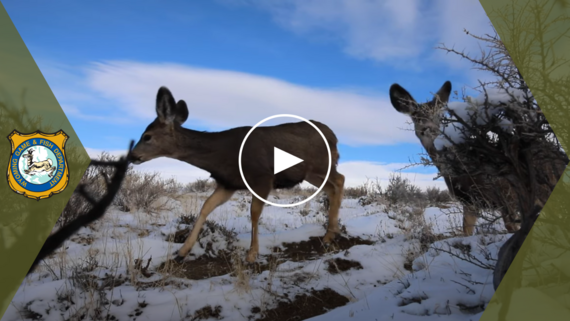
pixel 217 153
pixel 468 189
pixel 38 167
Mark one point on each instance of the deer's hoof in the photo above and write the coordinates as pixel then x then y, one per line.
pixel 251 257
pixel 177 257
pixel 329 237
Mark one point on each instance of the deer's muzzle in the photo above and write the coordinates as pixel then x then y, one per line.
pixel 136 160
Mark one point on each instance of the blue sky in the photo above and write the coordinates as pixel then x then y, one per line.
pixel 236 62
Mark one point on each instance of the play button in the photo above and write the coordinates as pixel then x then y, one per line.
pixel 263 157
pixel 283 160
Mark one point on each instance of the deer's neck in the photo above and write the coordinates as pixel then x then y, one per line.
pixel 433 154
pixel 199 149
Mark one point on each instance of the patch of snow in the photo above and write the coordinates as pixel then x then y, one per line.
pixel 439 285
pixel 496 100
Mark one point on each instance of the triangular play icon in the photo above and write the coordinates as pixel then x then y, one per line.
pixel 283 160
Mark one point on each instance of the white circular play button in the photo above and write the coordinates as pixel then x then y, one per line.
pixel 282 160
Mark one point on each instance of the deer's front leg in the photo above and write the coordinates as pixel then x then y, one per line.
pixel 220 196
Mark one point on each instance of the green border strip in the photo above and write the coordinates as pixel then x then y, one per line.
pixel 27 104
pixel 536 34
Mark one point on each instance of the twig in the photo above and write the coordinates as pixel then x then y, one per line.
pixel 55 240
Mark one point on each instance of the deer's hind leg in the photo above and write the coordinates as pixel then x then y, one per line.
pixel 257 205
pixel 335 191
pixel 51 170
pixel 334 188
pixel 510 220
pixel 470 215
pixel 219 197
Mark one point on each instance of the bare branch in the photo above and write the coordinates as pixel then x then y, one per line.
pixel 99 208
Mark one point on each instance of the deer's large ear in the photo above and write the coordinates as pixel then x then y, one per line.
pixel 181 112
pixel 167 110
pixel 165 106
pixel 442 95
pixel 402 100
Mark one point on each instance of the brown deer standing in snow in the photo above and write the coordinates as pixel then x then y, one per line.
pixel 38 167
pixel 472 190
pixel 518 185
pixel 468 189
pixel 217 153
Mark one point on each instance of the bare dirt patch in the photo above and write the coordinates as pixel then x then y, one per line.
pixel 304 306
pixel 201 268
pixel 339 265
pixel 207 313
pixel 83 239
pixel 314 248
pixel 471 309
pixel 207 266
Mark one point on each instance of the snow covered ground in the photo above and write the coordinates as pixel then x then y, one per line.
pixel 388 266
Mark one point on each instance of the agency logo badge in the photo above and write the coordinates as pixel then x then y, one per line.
pixel 38 167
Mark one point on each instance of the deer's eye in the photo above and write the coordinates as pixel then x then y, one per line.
pixel 147 137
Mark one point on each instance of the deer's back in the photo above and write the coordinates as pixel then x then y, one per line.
pixel 299 139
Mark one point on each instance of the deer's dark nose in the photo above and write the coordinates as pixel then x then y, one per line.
pixel 135 159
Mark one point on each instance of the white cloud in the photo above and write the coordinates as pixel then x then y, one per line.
pixel 394 31
pixel 380 30
pixel 356 172
pixel 221 99
pixel 76 112
pixel 457 16
pixel 71 90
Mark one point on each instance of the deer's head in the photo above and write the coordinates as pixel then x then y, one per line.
pixel 29 154
pixel 425 116
pixel 160 139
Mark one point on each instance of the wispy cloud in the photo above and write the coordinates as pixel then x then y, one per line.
pixel 400 32
pixel 71 110
pixel 220 99
pixel 77 99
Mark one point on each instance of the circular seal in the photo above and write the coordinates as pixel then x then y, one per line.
pixel 39 163
pixel 328 151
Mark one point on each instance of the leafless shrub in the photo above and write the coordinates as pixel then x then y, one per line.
pixel 436 197
pixel 299 192
pixel 98 206
pixel 77 204
pixel 200 185
pixel 400 191
pixel 373 194
pixel 356 192
pixel 140 191
pixel 514 151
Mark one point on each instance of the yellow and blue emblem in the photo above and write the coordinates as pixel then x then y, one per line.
pixel 38 167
